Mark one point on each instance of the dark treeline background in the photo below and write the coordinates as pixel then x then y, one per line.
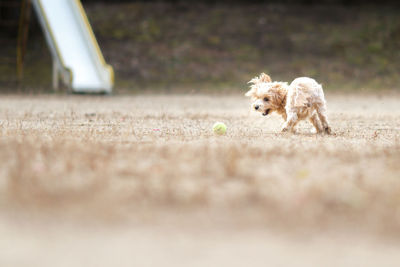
pixel 213 45
pixel 300 2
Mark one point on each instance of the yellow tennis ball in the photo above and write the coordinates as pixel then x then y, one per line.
pixel 219 128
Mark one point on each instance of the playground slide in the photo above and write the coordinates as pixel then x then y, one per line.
pixel 76 55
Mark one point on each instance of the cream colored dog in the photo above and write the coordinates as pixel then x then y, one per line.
pixel 302 99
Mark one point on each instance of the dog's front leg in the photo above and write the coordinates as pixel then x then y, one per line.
pixel 290 122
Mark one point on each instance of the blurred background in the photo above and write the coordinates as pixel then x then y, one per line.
pixel 140 179
pixel 219 45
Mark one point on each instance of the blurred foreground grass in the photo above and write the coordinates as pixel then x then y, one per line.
pixel 149 158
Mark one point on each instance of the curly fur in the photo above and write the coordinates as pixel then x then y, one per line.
pixel 302 99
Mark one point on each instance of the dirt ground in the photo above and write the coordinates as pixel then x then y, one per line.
pixel 143 181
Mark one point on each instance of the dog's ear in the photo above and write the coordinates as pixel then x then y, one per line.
pixel 253 89
pixel 254 80
pixel 278 93
pixel 251 92
pixel 264 78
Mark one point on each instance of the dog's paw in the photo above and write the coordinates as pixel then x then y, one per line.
pixel 288 130
pixel 328 130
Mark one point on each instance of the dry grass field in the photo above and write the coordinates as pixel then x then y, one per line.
pixel 143 181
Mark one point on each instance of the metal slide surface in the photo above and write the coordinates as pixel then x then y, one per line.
pixel 74 46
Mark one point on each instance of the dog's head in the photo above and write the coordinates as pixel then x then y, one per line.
pixel 266 96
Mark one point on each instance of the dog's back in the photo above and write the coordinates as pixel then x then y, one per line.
pixel 306 82
pixel 308 87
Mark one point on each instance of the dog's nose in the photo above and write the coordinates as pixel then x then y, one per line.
pixel 256 107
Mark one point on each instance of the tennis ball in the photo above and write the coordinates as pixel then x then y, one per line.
pixel 219 128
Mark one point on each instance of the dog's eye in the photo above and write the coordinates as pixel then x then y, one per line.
pixel 266 99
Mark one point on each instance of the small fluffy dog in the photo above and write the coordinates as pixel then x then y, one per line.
pixel 302 99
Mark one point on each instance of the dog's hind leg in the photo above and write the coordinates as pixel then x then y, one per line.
pixel 321 110
pixel 316 122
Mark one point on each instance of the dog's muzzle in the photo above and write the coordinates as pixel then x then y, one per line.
pixel 265 113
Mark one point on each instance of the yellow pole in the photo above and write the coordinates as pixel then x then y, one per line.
pixel 22 37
